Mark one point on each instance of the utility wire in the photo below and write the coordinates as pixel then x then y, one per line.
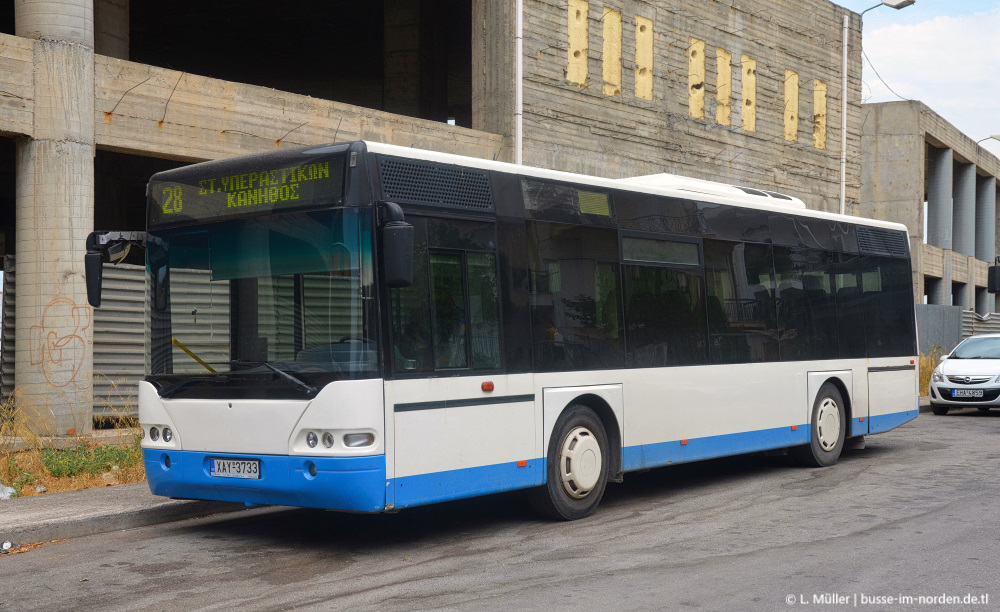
pixel 881 79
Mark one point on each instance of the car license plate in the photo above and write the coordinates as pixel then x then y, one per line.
pixel 234 468
pixel 966 392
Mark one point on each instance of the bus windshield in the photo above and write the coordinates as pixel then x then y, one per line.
pixel 275 305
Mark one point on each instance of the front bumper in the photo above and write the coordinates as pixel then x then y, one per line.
pixel 941 395
pixel 355 484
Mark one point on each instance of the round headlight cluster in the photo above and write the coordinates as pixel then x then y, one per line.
pixel 155 434
pixel 350 440
pixel 936 376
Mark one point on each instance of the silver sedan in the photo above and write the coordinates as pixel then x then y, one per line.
pixel 968 376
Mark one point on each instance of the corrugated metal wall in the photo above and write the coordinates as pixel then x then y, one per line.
pixel 119 353
pixel 119 356
pixel 7 330
pixel 974 324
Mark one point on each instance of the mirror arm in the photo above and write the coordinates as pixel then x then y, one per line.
pixel 106 246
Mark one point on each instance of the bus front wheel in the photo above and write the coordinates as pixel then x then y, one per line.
pixel 828 428
pixel 576 467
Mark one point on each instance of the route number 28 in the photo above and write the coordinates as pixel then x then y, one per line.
pixel 172 202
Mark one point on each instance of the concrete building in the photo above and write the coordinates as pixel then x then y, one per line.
pixel 919 170
pixel 99 94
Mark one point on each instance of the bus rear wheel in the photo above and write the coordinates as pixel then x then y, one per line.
pixel 828 428
pixel 576 467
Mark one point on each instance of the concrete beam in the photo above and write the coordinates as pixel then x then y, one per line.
pixel 146 110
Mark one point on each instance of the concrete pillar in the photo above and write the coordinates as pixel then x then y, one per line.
pixel 55 212
pixel 964 209
pixel 111 28
pixel 401 60
pixel 939 198
pixel 983 301
pixel 986 218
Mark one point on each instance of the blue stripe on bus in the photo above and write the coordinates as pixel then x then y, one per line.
pixel 340 483
pixel 359 483
pixel 666 453
pixel 859 427
pixel 468 482
pixel 885 422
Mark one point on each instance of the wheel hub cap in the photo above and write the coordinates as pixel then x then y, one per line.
pixel 828 424
pixel 580 462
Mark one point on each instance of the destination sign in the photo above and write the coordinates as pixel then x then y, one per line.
pixel 244 186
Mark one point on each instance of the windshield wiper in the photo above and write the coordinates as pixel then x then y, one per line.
pixel 170 389
pixel 293 381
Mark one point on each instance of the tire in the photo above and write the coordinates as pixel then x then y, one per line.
pixel 577 466
pixel 939 410
pixel 828 429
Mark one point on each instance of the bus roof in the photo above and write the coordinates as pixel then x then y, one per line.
pixel 658 184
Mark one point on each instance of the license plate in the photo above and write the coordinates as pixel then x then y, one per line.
pixel 966 392
pixel 234 468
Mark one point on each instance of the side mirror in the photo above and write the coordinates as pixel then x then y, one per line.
pixel 116 245
pixel 397 254
pixel 94 269
pixel 397 247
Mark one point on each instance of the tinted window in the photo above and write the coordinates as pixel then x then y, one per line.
pixel 450 317
pixel 850 308
pixel 888 303
pixel 742 321
pixel 665 316
pixel 806 303
pixel 575 297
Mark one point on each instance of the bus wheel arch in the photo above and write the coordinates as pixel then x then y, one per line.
pixel 578 464
pixel 829 426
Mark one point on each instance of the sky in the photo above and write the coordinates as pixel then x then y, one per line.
pixel 945 53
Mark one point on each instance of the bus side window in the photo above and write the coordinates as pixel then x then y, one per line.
pixel 576 297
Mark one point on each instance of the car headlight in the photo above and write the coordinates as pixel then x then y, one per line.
pixel 936 376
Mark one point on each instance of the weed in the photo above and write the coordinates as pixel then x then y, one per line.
pixel 29 458
pixel 928 361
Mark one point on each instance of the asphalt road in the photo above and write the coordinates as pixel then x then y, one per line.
pixel 915 514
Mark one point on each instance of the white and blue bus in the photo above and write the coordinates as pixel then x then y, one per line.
pixel 365 327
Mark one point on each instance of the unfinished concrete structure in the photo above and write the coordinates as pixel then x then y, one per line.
pixel 100 94
pixel 920 170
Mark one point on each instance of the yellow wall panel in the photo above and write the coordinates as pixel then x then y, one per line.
pixel 748 107
pixel 576 65
pixel 791 105
pixel 696 78
pixel 819 114
pixel 723 86
pixel 612 52
pixel 643 58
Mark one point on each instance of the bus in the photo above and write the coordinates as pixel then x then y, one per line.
pixel 365 327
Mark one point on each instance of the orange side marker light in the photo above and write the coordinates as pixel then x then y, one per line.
pixel 522 463
pixel 795 427
pixel 487 386
pixel 684 442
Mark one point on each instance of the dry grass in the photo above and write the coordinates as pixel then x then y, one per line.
pixel 31 458
pixel 928 361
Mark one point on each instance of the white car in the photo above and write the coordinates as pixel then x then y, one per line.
pixel 968 376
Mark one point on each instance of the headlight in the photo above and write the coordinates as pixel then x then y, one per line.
pixel 936 376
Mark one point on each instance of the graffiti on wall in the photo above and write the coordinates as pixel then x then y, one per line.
pixel 59 343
